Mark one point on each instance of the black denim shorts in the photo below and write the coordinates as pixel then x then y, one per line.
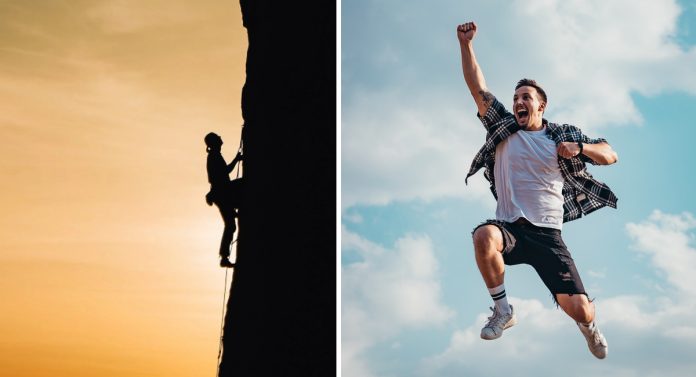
pixel 544 250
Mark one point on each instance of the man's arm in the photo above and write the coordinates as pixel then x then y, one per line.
pixel 601 153
pixel 472 72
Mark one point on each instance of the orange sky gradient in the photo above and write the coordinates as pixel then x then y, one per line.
pixel 108 252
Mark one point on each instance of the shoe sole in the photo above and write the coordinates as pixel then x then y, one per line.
pixel 600 356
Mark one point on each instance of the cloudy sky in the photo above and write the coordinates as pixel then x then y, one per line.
pixel 108 252
pixel 413 301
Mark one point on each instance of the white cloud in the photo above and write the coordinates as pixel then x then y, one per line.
pixel 666 240
pixel 632 312
pixel 397 148
pixel 353 217
pixel 389 291
pixel 540 329
pixel 596 53
pixel 409 125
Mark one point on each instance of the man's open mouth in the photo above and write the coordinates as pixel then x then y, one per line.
pixel 522 114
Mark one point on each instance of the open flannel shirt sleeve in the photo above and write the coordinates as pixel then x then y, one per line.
pixel 582 194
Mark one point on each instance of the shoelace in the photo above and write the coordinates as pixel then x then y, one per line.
pixel 495 319
pixel 596 338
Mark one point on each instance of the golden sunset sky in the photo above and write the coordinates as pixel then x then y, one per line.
pixel 108 252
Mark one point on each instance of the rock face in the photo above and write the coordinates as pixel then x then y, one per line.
pixel 281 315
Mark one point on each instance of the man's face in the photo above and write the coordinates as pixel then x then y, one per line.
pixel 527 108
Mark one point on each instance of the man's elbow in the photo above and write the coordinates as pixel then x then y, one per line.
pixel 606 155
pixel 610 157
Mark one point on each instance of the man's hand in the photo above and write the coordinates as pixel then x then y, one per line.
pixel 466 32
pixel 568 149
pixel 239 157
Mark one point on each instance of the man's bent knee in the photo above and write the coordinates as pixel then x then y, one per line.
pixel 577 306
pixel 487 237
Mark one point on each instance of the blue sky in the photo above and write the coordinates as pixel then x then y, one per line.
pixel 413 301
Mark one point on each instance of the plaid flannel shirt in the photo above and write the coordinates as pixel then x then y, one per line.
pixel 582 194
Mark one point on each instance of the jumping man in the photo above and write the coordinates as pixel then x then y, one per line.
pixel 538 176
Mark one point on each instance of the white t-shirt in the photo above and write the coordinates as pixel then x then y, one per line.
pixel 528 180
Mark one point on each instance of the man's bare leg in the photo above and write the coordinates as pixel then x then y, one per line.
pixel 579 308
pixel 488 246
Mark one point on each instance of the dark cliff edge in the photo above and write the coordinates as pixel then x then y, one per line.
pixel 281 314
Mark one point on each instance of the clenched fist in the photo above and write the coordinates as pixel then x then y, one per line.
pixel 568 149
pixel 466 32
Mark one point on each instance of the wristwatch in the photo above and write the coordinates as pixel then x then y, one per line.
pixel 580 145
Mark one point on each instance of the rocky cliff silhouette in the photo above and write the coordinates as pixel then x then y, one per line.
pixel 281 314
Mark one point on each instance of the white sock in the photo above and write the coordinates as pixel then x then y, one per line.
pixel 500 298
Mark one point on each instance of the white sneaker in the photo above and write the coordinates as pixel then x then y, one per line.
pixel 595 340
pixel 497 323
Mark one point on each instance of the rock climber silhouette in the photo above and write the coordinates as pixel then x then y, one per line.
pixel 224 193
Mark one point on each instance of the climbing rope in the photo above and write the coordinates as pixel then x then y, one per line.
pixel 222 319
pixel 222 324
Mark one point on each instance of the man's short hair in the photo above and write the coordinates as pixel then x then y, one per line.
pixel 535 85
